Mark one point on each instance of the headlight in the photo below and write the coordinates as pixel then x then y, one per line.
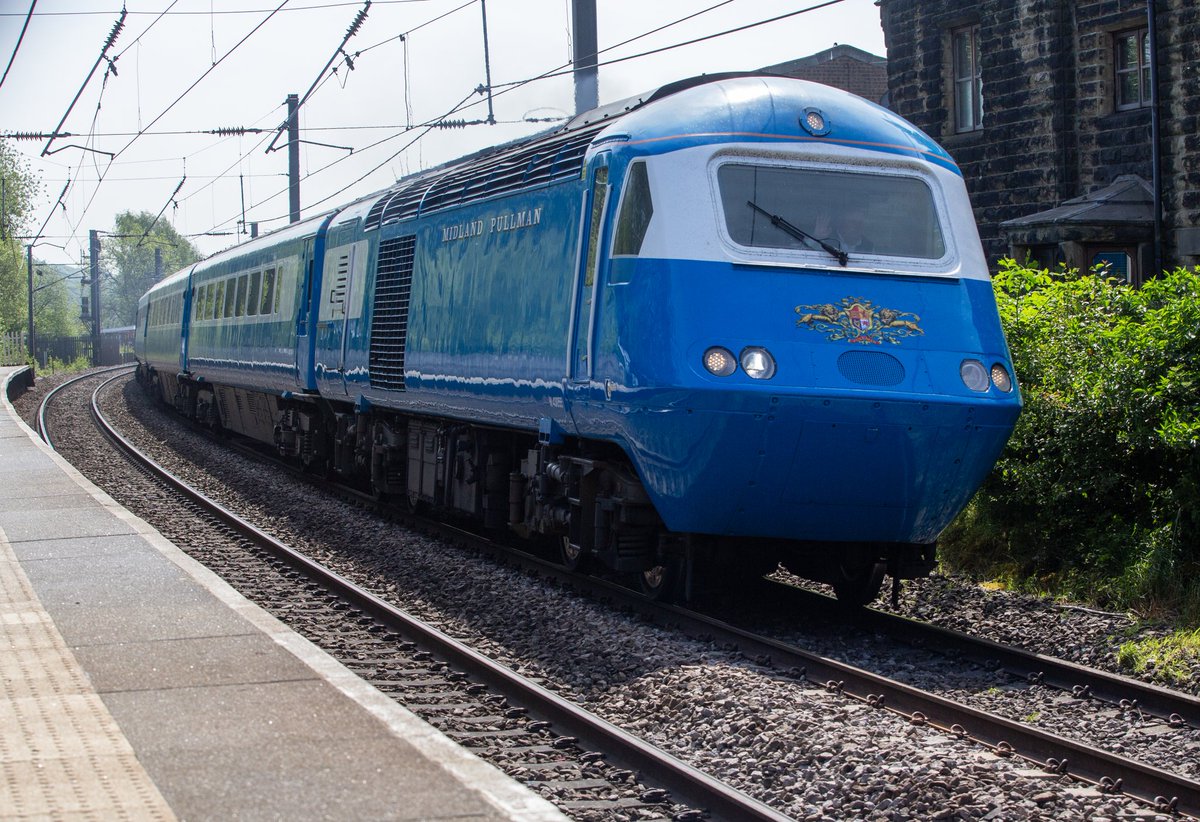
pixel 974 375
pixel 1001 378
pixel 719 362
pixel 758 363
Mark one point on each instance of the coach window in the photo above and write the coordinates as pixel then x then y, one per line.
pixel 268 292
pixel 210 297
pixel 230 295
pixel 240 305
pixel 253 296
pixel 636 211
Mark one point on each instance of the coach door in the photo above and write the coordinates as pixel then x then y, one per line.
pixel 342 277
pixel 587 280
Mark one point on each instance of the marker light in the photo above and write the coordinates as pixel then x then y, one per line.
pixel 719 362
pixel 974 375
pixel 1001 378
pixel 814 122
pixel 758 363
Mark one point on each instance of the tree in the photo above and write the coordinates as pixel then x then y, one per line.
pixel 56 306
pixel 128 255
pixel 18 188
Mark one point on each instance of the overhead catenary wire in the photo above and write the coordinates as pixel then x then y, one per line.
pixel 463 105
pixel 143 131
pixel 341 49
pixel 501 88
pixel 153 23
pixel 157 217
pixel 210 12
pixel 163 113
pixel 108 43
pixel 20 38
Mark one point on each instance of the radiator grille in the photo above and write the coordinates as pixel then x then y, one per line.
pixel 389 318
pixel 871 368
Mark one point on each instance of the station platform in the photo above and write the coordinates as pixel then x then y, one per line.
pixel 135 684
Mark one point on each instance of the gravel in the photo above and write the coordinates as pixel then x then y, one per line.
pixel 807 752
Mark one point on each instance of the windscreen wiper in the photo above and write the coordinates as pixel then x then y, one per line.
pixel 800 234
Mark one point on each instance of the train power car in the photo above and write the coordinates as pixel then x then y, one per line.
pixel 738 321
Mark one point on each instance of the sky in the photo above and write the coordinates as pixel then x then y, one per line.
pixel 152 129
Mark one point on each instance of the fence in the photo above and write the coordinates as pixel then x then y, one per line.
pixel 116 347
pixel 12 348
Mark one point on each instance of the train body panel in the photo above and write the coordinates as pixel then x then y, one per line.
pixel 250 326
pixel 747 309
pixel 157 339
pixel 487 316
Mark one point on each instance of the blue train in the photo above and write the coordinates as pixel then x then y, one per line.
pixel 737 321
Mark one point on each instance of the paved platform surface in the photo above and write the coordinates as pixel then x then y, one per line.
pixel 135 684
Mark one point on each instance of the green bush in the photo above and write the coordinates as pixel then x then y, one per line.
pixel 1097 495
pixel 57 366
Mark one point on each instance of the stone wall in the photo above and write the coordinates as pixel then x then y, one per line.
pixel 1050 128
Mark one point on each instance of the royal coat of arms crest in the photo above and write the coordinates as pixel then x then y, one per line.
pixel 859 320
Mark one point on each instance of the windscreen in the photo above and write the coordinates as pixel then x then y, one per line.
pixel 830 212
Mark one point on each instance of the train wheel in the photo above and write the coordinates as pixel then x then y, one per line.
pixel 858 584
pixel 658 582
pixel 574 557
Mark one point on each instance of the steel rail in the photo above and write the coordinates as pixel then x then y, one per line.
pixel 42 430
pixel 1166 792
pixel 1174 707
pixel 1163 790
pixel 686 784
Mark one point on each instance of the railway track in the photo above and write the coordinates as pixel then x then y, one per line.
pixel 480 703
pixel 1165 792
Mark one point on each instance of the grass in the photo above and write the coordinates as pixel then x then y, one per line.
pixel 1170 657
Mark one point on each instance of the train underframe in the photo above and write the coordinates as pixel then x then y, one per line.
pixel 582 496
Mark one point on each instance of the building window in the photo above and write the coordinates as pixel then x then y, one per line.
pixel 968 80
pixel 1132 61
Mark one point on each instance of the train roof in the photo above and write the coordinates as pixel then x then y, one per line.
pixel 734 106
pixel 753 106
pixel 554 154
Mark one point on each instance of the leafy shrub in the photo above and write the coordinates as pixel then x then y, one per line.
pixel 1098 492
pixel 57 366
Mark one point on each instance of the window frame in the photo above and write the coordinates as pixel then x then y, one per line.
pixel 961 76
pixel 626 218
pixel 805 256
pixel 1141 70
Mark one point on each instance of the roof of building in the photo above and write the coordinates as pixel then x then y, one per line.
pixel 1128 200
pixel 827 55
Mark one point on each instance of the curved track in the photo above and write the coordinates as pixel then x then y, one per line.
pixel 1055 755
pixel 544 714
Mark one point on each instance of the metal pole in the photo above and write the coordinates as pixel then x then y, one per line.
pixel 293 127
pixel 94 254
pixel 583 53
pixel 1155 126
pixel 487 64
pixel 29 266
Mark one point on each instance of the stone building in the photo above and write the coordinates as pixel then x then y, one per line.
pixel 1048 107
